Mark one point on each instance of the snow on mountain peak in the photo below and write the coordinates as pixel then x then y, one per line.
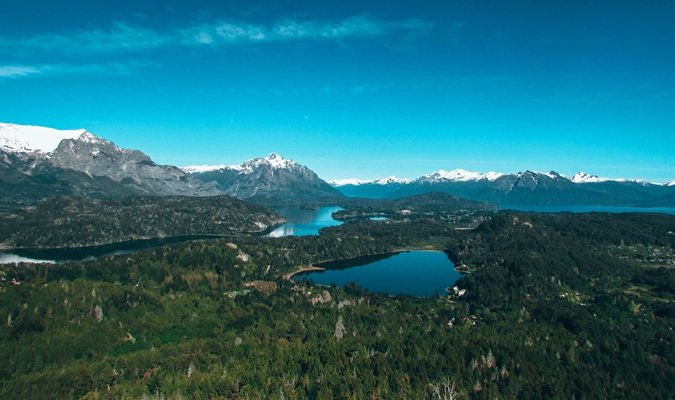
pixel 461 175
pixel 37 139
pixel 273 161
pixel 348 181
pixel 379 181
pixel 582 177
pixel 196 169
pixel 277 161
pixel 390 179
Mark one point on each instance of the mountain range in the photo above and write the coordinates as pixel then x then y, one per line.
pixel 521 188
pixel 39 162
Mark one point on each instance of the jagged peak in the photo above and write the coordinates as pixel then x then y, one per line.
pixel 273 161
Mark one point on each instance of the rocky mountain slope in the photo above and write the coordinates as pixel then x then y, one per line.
pixel 271 179
pixel 38 162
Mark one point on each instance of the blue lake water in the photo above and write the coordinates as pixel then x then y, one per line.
pixel 301 222
pixel 304 222
pixel 586 209
pixel 414 273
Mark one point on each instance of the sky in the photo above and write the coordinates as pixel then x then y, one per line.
pixel 355 89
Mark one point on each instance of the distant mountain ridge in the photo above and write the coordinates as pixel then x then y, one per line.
pixel 462 175
pixel 38 162
pixel 526 188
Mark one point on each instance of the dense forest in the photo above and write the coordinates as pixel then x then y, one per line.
pixel 557 306
pixel 78 221
pixel 432 203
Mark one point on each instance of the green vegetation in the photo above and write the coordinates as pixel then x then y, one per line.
pixel 557 306
pixel 77 222
pixel 439 205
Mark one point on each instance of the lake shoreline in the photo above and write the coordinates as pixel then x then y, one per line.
pixel 310 268
pixel 418 273
pixel 315 268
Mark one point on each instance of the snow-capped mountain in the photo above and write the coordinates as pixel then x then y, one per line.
pixel 38 161
pixel 271 179
pixel 528 187
pixel 273 161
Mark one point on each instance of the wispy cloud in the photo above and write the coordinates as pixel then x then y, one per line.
pixel 116 38
pixel 125 37
pixel 110 69
pixel 287 30
pixel 59 53
pixel 16 71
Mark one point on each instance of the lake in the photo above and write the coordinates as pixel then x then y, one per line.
pixel 91 252
pixel 586 209
pixel 300 222
pixel 414 273
pixel 304 222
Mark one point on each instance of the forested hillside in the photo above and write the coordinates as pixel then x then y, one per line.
pixel 557 306
pixel 77 221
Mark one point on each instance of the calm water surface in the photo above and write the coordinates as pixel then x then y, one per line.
pixel 304 222
pixel 415 273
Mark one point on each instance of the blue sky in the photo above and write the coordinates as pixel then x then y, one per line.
pixel 355 88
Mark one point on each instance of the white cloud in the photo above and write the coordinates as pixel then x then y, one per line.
pixel 116 69
pixel 14 71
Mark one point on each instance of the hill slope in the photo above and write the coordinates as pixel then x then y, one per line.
pixel 76 222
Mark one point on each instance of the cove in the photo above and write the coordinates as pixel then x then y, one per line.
pixel 414 273
pixel 303 221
